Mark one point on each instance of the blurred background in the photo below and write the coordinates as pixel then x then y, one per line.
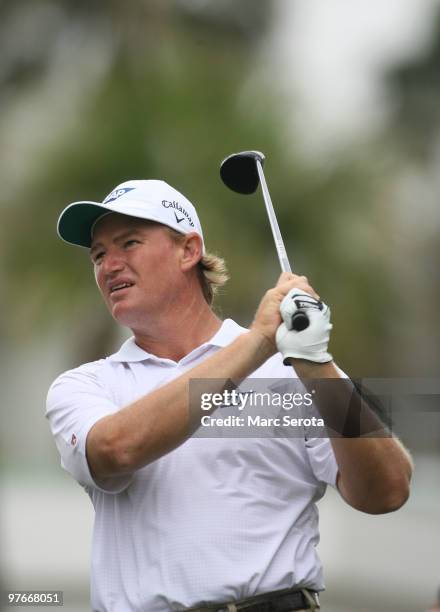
pixel 343 98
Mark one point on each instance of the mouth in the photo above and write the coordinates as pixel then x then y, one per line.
pixel 120 287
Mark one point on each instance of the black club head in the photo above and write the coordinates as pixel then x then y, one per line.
pixel 239 171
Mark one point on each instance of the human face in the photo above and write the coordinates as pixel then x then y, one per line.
pixel 137 269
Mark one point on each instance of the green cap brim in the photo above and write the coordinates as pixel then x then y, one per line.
pixel 76 222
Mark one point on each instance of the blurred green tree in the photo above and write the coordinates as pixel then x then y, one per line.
pixel 173 96
pixel 413 137
pixel 415 88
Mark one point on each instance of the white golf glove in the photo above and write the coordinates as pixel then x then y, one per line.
pixel 310 343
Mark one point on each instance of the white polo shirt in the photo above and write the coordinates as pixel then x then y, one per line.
pixel 217 519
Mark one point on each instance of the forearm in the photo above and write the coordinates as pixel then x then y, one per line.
pixel 160 421
pixel 374 468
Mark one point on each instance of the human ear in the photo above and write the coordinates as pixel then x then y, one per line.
pixel 192 251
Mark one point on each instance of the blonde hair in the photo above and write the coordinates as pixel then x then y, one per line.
pixel 213 274
pixel 212 270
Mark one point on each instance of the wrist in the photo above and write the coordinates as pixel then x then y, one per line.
pixel 312 369
pixel 263 346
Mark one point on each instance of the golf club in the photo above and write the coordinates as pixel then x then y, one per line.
pixel 242 172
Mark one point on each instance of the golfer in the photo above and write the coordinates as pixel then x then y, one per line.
pixel 186 521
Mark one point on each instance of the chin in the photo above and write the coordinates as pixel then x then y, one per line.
pixel 128 317
pixel 121 314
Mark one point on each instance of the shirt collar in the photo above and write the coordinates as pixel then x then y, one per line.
pixel 130 351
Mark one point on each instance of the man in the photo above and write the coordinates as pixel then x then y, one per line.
pixel 188 522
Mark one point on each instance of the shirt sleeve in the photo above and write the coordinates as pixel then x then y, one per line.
pixel 322 460
pixel 75 402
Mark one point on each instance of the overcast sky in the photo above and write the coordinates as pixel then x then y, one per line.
pixel 333 52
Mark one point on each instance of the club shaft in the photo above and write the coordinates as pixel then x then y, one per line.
pixel 279 243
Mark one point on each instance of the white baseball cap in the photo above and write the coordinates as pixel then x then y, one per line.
pixel 150 199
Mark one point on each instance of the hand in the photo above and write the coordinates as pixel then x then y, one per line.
pixel 311 343
pixel 268 317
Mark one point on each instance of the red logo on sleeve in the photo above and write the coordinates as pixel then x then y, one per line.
pixel 73 440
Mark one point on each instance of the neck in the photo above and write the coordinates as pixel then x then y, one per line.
pixel 179 331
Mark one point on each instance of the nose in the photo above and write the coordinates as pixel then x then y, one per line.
pixel 112 263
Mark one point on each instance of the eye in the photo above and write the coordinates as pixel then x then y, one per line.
pixel 97 257
pixel 131 242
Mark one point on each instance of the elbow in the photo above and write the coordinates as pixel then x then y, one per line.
pixel 115 460
pixel 392 489
pixel 384 489
pixel 398 487
pixel 107 455
pixel 119 456
pixel 393 495
pixel 395 498
pixel 378 496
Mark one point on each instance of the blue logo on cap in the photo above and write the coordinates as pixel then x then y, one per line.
pixel 117 193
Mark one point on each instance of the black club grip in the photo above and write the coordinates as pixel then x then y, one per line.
pixel 300 321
